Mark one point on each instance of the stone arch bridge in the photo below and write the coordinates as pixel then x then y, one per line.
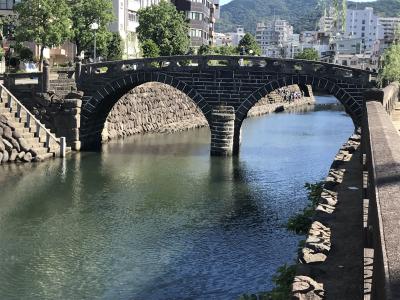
pixel 225 88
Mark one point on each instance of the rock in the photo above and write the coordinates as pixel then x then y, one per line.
pixel 2 146
pixel 16 135
pixel 3 119
pixel 75 95
pixel 24 145
pixel 1 157
pixel 7 132
pixel 14 155
pixel 6 157
pixel 27 157
pixel 7 145
pixel 21 155
pixel 15 144
pixel 306 288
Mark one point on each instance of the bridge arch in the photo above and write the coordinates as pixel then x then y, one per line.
pixel 95 111
pixel 350 101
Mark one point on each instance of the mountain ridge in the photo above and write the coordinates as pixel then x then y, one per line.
pixel 304 17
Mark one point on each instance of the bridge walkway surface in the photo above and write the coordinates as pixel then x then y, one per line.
pixel 342 274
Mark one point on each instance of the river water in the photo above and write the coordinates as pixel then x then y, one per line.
pixel 155 217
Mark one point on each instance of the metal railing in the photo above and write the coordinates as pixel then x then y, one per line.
pixel 14 103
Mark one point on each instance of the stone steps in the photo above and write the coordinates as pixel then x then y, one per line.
pixel 37 143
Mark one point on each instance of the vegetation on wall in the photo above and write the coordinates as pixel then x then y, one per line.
pixel 300 223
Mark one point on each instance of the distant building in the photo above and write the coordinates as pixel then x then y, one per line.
pixel 365 25
pixel 389 25
pixel 126 22
pixel 274 37
pixel 202 15
pixel 222 39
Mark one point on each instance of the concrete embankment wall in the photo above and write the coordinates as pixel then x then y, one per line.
pixel 330 265
pixel 156 107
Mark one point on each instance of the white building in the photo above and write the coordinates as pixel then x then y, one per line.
pixel 389 25
pixel 126 23
pixel 237 36
pixel 274 37
pixel 222 39
pixel 365 25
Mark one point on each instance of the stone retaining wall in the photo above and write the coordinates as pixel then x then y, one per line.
pixel 156 107
pixel 318 245
pixel 13 147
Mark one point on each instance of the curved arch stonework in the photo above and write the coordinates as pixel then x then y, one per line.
pixel 223 92
pixel 349 95
pixel 95 111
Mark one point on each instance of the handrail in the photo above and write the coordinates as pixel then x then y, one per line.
pixel 30 117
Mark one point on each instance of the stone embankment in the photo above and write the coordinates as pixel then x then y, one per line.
pixel 332 255
pixel 13 146
pixel 159 108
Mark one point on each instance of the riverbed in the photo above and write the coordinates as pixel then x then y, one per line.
pixel 155 217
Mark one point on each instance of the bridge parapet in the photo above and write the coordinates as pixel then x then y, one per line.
pixel 221 62
pixel 381 146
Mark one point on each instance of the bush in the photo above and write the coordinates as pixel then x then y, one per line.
pixel 300 223
pixel 25 54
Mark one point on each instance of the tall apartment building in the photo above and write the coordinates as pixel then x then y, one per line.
pixel 126 22
pixel 274 37
pixel 389 26
pixel 202 15
pixel 365 25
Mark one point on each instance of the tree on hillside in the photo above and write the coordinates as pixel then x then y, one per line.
pixel 391 65
pixel 308 54
pixel 45 22
pixel 166 27
pixel 87 12
pixel 248 45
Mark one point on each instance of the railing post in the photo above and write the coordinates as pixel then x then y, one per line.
pixel 9 102
pixel 28 120
pixel 37 131
pixel 46 77
pixel 62 147
pixel 78 69
pixel 18 110
pixel 47 143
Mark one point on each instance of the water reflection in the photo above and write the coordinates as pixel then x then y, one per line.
pixel 154 217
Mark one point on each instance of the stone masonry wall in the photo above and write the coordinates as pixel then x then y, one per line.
pixel 13 146
pixel 156 107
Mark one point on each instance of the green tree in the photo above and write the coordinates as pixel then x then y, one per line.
pixel 150 49
pixel 166 27
pixel 249 44
pixel 391 65
pixel 45 22
pixel 85 13
pixel 308 54
pixel 115 47
pixel 205 50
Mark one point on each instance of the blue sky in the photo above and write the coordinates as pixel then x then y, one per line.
pixel 227 1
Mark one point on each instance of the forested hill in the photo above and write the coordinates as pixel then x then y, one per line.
pixel 302 14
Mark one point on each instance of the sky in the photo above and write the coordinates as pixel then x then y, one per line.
pixel 222 2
